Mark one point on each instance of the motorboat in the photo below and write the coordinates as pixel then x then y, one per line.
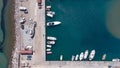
pixel 92 54
pixel 76 57
pixel 61 57
pixel 50 42
pixel 51 38
pixel 81 56
pixel 73 57
pixel 50 14
pixel 116 60
pixel 48 49
pixel 48 8
pixel 49 46
pixel 54 23
pixel 86 54
pixel 104 57
pixel 49 52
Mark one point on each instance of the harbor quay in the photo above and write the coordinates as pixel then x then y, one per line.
pixel 30 46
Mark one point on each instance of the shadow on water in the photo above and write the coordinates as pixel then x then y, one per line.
pixel 3 24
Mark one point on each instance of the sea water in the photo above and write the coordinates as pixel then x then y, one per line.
pixel 86 25
pixel 3 61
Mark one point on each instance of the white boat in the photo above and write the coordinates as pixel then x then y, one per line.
pixel 22 21
pixel 61 57
pixel 92 54
pixel 76 57
pixel 49 52
pixel 51 38
pixel 48 8
pixel 48 49
pixel 73 57
pixel 49 46
pixel 50 14
pixel 116 60
pixel 81 56
pixel 86 54
pixel 54 23
pixel 50 42
pixel 104 57
pixel 22 8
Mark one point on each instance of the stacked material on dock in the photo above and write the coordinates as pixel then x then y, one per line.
pixel 39 3
pixel 26 52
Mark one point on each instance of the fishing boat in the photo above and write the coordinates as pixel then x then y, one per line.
pixel 92 54
pixel 49 52
pixel 81 56
pixel 76 57
pixel 86 54
pixel 54 23
pixel 51 38
pixel 61 57
pixel 50 42
pixel 50 14
pixel 48 49
pixel 49 46
pixel 73 57
pixel 104 57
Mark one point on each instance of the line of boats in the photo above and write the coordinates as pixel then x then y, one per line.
pixel 51 14
pixel 84 55
pixel 50 41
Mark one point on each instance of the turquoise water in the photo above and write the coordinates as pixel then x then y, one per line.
pixel 85 25
pixel 3 60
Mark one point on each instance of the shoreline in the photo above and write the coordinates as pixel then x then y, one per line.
pixel 10 31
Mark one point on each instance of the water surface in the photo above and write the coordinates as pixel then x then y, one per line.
pixel 84 26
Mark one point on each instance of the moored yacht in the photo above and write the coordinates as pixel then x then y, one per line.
pixel 81 56
pixel 61 57
pixel 54 23
pixel 48 49
pixel 50 14
pixel 92 54
pixel 51 38
pixel 116 60
pixel 50 42
pixel 104 57
pixel 76 57
pixel 73 58
pixel 49 46
pixel 49 52
pixel 86 54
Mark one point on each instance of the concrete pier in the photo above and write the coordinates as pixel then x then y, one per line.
pixel 38 59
